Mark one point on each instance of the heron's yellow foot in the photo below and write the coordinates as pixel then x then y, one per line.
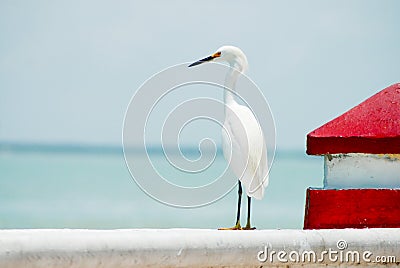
pixel 236 227
pixel 248 227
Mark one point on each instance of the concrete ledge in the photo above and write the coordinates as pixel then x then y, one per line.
pixel 198 248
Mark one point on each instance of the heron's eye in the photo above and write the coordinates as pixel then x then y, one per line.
pixel 216 55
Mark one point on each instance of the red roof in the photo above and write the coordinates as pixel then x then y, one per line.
pixel 373 127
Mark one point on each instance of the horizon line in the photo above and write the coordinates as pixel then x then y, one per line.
pixel 105 148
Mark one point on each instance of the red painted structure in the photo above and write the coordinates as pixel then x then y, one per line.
pixel 371 127
pixel 352 208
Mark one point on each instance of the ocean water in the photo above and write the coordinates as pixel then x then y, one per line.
pixel 74 188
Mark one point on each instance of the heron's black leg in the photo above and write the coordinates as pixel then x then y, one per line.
pixel 237 226
pixel 248 210
pixel 248 226
pixel 239 204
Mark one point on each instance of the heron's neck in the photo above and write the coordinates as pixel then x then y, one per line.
pixel 230 84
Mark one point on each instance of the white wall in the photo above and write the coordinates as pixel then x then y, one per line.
pixel 192 247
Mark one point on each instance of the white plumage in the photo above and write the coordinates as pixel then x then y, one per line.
pixel 247 157
pixel 243 141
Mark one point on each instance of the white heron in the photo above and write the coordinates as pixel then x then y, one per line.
pixel 243 142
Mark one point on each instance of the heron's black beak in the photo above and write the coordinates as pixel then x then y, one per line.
pixel 209 58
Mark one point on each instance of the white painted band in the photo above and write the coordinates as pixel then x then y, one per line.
pixel 354 171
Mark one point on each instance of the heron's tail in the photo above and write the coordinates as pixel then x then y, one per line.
pixel 257 187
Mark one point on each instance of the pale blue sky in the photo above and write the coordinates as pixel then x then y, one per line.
pixel 69 68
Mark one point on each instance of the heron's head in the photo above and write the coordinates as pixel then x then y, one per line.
pixel 234 56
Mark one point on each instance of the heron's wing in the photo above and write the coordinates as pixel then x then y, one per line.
pixel 233 149
pixel 248 158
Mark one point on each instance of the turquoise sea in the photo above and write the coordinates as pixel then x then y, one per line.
pixel 90 187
